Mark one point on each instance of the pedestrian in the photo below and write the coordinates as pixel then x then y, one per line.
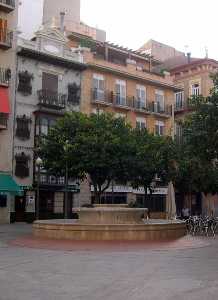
pixel 185 213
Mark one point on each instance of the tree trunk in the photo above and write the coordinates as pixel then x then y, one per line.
pixel 146 195
pixel 95 193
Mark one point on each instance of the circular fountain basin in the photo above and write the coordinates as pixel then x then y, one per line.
pixel 110 224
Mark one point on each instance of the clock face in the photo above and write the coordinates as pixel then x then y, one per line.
pixel 52 49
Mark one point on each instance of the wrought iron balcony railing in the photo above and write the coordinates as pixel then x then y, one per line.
pixel 5 76
pixel 140 105
pixel 130 102
pixel 109 98
pixel 182 107
pixel 7 5
pixel 158 108
pixel 6 38
pixel 3 121
pixel 103 96
pixel 52 99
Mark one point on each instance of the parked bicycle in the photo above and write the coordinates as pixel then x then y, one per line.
pixel 199 225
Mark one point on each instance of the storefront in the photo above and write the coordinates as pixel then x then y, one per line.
pixel 9 190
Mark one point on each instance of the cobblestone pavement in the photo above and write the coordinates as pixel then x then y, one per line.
pixel 86 274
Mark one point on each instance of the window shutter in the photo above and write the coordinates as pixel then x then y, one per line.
pixel 50 82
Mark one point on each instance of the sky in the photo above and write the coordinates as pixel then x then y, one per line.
pixel 187 25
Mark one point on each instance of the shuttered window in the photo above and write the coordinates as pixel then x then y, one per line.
pixel 50 82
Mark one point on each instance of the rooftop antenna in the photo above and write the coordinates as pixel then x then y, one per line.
pixel 186 49
pixel 206 52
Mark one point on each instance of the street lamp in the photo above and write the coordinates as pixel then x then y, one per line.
pixel 38 164
pixel 66 148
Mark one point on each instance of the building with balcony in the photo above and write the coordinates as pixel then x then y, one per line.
pixel 193 76
pixel 120 81
pixel 48 85
pixel 8 25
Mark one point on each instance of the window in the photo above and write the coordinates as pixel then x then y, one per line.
pixel 141 96
pixel 43 178
pixel 44 126
pixel 3 30
pixel 195 89
pixel 22 167
pixel 97 111
pixel 52 179
pixel 61 180
pixel 98 87
pixel 178 132
pixel 120 92
pixel 3 201
pixel 159 128
pixel 159 100
pixel 120 115
pixel 179 100
pixel 23 127
pixel 50 82
pixel 25 83
pixel 141 123
pixel 74 93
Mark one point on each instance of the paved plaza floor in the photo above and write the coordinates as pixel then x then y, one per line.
pixel 40 270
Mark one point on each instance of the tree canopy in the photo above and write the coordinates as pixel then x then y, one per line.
pixel 106 149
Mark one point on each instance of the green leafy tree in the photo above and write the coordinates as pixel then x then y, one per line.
pixel 153 158
pixel 103 149
pixel 97 146
pixel 58 148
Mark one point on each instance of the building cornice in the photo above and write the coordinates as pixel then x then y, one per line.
pixel 133 76
pixel 52 59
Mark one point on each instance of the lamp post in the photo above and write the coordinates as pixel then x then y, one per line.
pixel 38 164
pixel 66 147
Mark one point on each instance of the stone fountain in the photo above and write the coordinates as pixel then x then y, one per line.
pixel 108 224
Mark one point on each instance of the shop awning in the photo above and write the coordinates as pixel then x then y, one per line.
pixel 4 101
pixel 8 185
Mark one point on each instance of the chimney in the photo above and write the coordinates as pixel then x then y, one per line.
pixel 189 57
pixel 62 17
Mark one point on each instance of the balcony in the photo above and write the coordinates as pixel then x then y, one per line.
pixel 5 76
pixel 102 97
pixel 6 39
pixel 51 100
pixel 140 106
pixel 108 98
pixel 161 110
pixel 7 5
pixel 182 107
pixel 3 121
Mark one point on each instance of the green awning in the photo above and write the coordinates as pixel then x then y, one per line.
pixel 8 185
